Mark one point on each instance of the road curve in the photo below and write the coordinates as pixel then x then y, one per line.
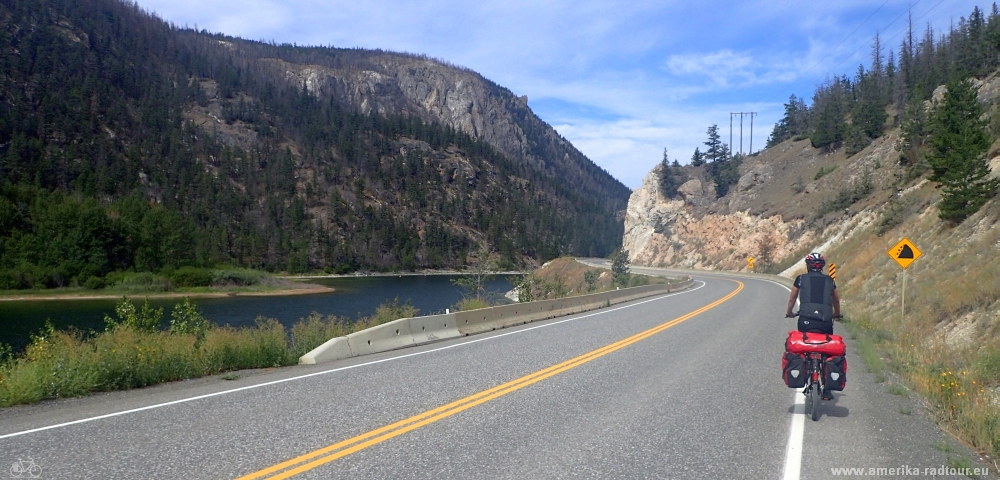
pixel 685 385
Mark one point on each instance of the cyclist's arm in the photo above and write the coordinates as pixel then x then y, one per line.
pixel 795 294
pixel 836 303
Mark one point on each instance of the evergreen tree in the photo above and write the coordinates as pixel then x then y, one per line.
pixel 620 267
pixel 668 179
pixel 697 159
pixel 830 107
pixel 716 150
pixel 958 153
pixel 914 130
pixel 793 123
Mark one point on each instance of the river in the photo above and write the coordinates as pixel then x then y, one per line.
pixel 351 297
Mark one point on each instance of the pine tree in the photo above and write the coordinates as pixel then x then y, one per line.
pixel 716 149
pixel 668 180
pixel 697 159
pixel 794 123
pixel 620 264
pixel 959 143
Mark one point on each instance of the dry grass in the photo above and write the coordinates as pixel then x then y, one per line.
pixel 945 347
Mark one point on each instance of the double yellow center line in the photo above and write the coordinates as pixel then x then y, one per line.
pixel 341 449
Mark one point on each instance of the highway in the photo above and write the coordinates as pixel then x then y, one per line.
pixel 685 385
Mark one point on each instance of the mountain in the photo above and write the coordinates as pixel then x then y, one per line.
pixel 127 142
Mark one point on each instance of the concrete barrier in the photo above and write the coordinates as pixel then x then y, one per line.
pixel 407 332
pixel 433 328
pixel 380 338
pixel 333 349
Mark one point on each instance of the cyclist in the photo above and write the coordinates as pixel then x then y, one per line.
pixel 819 302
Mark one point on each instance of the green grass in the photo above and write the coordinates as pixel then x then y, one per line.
pixel 864 335
pixel 943 446
pixel 59 364
pixel 899 390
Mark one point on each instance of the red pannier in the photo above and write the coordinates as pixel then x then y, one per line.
pixel 793 369
pixel 808 342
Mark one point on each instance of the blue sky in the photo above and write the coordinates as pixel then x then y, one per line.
pixel 621 80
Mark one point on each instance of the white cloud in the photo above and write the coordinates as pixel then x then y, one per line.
pixel 722 67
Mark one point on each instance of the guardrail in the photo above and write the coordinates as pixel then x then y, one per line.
pixel 407 332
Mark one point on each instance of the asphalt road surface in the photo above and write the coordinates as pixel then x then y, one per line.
pixel 685 385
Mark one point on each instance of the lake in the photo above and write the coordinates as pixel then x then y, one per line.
pixel 353 296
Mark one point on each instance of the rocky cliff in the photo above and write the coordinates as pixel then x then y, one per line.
pixel 401 84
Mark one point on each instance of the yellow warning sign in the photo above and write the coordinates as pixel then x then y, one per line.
pixel 750 263
pixel 904 253
pixel 833 271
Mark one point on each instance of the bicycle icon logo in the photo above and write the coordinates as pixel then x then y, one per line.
pixel 30 468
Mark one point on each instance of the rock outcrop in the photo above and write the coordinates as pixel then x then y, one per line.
pixel 785 203
pixel 662 232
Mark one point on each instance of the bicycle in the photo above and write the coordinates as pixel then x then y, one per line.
pixel 815 375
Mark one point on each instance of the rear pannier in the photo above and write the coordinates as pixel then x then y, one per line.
pixel 835 373
pixel 793 369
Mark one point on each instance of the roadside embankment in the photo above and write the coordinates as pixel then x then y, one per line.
pixel 946 347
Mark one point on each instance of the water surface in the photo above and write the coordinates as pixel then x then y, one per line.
pixel 352 297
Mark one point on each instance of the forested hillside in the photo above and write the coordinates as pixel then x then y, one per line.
pixel 851 111
pixel 130 143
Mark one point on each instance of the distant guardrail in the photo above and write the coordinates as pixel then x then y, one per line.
pixel 407 332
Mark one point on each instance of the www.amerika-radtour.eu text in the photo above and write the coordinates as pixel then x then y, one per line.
pixel 905 470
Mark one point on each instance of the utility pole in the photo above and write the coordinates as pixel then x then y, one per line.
pixel 730 134
pixel 741 114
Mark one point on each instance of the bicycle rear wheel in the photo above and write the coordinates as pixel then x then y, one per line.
pixel 814 395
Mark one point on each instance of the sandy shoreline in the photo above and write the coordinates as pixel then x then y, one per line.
pixel 97 296
pixel 399 274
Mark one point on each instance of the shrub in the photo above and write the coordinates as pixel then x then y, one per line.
pixel 470 303
pixel 94 282
pixel 892 216
pixel 144 320
pixel 191 277
pixel 143 282
pixel 11 279
pixel 131 354
pixel 187 320
pixel 242 277
pixel 822 172
pixel 313 331
pixel 638 280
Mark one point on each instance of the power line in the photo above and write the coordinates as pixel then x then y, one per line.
pixel 918 19
pixel 845 39
pixel 890 38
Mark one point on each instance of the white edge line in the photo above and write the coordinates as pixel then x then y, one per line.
pixel 299 377
pixel 793 456
pixel 793 453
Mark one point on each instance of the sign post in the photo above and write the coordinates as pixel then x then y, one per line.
pixel 750 263
pixel 904 253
